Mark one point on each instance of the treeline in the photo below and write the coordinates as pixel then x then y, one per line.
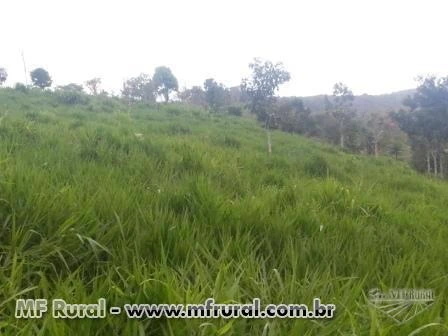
pixel 419 133
pixel 425 121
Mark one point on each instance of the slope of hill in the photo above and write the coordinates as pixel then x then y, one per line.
pixel 364 103
pixel 173 205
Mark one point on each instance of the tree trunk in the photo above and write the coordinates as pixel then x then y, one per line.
pixel 268 133
pixel 341 132
pixel 428 163
pixel 375 145
pixel 129 107
pixel 269 141
pixel 441 169
pixel 434 161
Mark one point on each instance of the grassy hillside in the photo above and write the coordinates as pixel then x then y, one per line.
pixel 365 103
pixel 176 205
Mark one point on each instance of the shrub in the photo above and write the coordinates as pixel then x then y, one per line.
pixel 21 88
pixel 72 97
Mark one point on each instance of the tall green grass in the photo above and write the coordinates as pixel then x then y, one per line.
pixel 172 205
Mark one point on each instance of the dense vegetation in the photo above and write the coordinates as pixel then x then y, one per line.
pixel 139 203
pixel 409 125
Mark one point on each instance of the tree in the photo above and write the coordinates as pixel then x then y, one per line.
pixel 72 87
pixel 3 76
pixel 426 123
pixel 41 78
pixel 382 135
pixel 216 95
pixel 341 109
pixel 396 142
pixel 194 96
pixel 93 85
pixel 237 96
pixel 164 82
pixel 263 85
pixel 71 94
pixel 376 125
pixel 293 116
pixel 139 88
pixel 261 89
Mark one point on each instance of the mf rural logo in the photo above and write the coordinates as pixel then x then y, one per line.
pixel 401 304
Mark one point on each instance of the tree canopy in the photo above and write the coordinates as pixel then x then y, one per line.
pixel 164 82
pixel 216 95
pixel 262 86
pixel 340 107
pixel 41 78
pixel 93 85
pixel 139 88
pixel 426 121
pixel 193 96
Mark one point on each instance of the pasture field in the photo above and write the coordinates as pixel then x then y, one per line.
pixel 172 204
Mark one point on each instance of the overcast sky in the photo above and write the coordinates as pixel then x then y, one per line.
pixel 374 46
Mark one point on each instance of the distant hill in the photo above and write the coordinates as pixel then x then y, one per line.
pixel 364 103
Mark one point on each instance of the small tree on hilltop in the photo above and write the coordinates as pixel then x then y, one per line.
pixel 93 85
pixel 139 88
pixel 216 95
pixel 3 76
pixel 263 85
pixel 194 96
pixel 41 78
pixel 71 94
pixel 261 89
pixel 164 82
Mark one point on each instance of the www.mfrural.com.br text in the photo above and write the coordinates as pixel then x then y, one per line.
pixel 60 309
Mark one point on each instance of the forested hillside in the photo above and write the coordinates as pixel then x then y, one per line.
pixel 365 103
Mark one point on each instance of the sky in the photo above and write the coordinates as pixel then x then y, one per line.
pixel 373 46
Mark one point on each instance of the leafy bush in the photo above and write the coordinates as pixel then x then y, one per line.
pixel 72 97
pixel 21 88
